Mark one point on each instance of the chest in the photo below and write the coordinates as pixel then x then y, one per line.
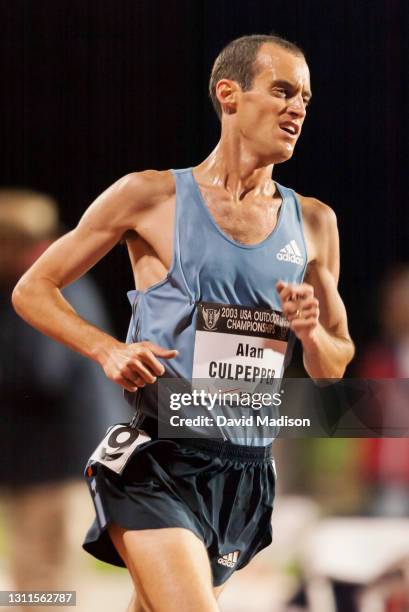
pixel 249 221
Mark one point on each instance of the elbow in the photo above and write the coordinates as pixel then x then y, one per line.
pixel 350 352
pixel 348 357
pixel 19 297
pixel 331 367
pixel 343 363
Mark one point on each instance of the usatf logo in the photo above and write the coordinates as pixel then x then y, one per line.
pixel 210 317
pixel 291 253
pixel 230 559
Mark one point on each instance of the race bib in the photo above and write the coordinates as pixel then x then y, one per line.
pixel 117 446
pixel 237 347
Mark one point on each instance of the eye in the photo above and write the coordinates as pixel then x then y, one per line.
pixel 280 91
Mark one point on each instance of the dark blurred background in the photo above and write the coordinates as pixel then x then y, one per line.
pixel 93 90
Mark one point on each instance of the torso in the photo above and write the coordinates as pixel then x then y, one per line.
pixel 150 243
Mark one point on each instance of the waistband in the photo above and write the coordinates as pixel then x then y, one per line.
pixel 228 450
pixel 217 448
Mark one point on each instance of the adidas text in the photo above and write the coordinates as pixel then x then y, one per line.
pixel 291 253
pixel 292 258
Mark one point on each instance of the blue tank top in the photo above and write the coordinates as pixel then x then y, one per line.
pixel 210 267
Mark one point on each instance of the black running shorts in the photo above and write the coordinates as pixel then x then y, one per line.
pixel 222 492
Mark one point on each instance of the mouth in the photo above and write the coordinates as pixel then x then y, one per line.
pixel 291 129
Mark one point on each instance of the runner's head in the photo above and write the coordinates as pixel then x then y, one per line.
pixel 260 87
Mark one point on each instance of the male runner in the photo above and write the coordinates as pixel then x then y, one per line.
pixel 183 515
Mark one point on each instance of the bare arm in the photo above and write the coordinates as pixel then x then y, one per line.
pixel 37 297
pixel 315 308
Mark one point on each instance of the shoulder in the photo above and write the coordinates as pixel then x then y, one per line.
pixel 317 214
pixel 121 205
pixel 321 233
pixel 145 188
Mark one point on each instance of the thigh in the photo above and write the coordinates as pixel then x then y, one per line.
pixel 217 591
pixel 135 604
pixel 170 568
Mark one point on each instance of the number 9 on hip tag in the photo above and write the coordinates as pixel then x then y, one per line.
pixel 116 447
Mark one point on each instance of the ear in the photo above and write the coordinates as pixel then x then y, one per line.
pixel 227 94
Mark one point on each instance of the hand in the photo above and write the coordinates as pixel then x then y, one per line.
pixel 300 307
pixel 134 365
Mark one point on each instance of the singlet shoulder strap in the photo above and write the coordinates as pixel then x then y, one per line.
pixel 176 270
pixel 292 198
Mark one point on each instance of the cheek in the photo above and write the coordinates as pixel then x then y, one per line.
pixel 260 119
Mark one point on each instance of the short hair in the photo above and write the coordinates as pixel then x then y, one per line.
pixel 237 62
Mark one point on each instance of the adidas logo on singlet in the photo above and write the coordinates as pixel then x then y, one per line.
pixel 291 253
pixel 230 559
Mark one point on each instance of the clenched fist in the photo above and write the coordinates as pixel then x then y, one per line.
pixel 134 365
pixel 300 307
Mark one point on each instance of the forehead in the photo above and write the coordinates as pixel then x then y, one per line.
pixel 275 63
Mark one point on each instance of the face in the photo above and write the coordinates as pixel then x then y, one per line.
pixel 270 116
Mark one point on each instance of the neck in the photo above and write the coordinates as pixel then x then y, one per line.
pixel 231 166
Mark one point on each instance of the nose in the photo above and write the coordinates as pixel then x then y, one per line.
pixel 297 106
